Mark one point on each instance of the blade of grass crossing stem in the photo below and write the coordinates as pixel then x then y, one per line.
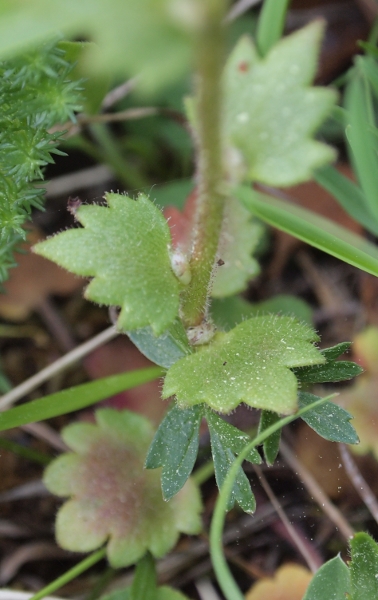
pixel 348 194
pixel 271 24
pixel 312 229
pixel 362 141
pixel 76 398
pixel 77 570
pixel 224 576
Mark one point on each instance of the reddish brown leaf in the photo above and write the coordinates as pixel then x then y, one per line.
pixel 34 279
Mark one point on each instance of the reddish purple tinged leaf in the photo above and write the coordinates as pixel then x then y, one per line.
pixel 113 497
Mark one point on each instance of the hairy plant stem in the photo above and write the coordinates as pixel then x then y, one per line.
pixel 210 202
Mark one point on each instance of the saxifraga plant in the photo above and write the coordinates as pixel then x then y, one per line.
pixel 253 118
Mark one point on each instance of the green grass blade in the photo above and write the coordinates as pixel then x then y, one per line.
pixel 362 141
pixel 77 570
pixel 75 398
pixel 369 67
pixel 25 452
pixel 348 195
pixel 312 229
pixel 270 25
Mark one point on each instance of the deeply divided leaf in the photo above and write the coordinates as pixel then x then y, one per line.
pixel 251 364
pixel 328 420
pixel 125 248
pixel 336 351
pixel 175 448
pixel 271 113
pixel 332 371
pixel 223 441
pixel 271 445
pixel 231 437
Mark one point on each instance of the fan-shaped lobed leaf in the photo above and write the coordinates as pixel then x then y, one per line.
pixel 125 248
pixel 251 364
pixel 113 498
pixel 271 112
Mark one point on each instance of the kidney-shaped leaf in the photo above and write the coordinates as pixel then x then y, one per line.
pixel 271 112
pixel 251 364
pixel 112 497
pixel 125 248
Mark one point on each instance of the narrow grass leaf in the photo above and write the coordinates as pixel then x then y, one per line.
pixel 362 140
pixel 348 195
pixel 75 398
pixel 369 67
pixel 312 229
pixel 271 24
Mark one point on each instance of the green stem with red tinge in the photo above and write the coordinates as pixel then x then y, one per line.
pixel 210 203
